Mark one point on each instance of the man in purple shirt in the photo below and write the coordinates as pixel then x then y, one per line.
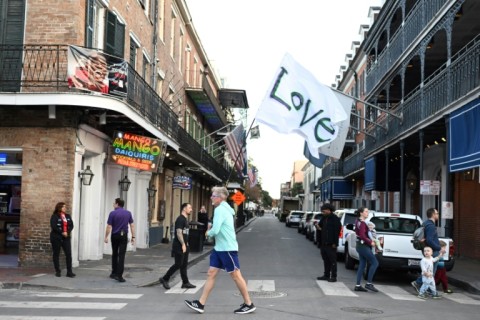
pixel 117 224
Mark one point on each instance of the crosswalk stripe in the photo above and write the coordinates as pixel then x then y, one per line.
pixel 335 289
pixel 261 285
pixel 461 298
pixel 86 295
pixel 176 289
pixel 49 318
pixel 61 305
pixel 397 293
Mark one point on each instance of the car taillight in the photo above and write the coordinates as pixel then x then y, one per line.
pixel 451 249
pixel 340 236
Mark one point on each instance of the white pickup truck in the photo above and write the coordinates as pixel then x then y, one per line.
pixel 395 232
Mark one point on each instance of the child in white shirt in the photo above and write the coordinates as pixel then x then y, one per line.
pixel 372 234
pixel 428 281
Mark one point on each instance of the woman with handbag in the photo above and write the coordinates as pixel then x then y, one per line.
pixel 364 249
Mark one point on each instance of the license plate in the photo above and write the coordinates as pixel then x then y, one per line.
pixel 412 262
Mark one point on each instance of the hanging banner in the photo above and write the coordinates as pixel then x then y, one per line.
pixel 182 182
pixel 96 71
pixel 143 153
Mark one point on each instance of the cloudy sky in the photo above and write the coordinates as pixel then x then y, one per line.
pixel 246 41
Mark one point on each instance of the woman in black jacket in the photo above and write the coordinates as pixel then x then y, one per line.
pixel 61 224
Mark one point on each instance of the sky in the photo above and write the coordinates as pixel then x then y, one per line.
pixel 245 40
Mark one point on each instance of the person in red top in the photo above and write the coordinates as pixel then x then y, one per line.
pixel 364 249
pixel 61 225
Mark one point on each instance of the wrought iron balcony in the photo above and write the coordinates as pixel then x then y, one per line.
pixel 43 68
pixel 333 169
pixel 354 162
pixel 416 21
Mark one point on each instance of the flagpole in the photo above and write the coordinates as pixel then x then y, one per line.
pixel 238 154
pixel 399 117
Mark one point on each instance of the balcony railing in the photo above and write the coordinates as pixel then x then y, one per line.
pixel 354 162
pixel 447 84
pixel 43 68
pixel 333 169
pixel 419 17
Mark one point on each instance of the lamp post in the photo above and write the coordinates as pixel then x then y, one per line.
pixel 411 185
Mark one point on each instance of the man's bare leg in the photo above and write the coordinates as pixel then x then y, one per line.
pixel 241 285
pixel 209 284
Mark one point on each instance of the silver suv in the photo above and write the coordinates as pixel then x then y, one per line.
pixel 294 218
pixel 311 229
pixel 302 227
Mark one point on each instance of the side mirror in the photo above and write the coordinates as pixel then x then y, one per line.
pixel 349 226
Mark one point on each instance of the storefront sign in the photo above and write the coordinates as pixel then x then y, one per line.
pixel 182 182
pixel 429 187
pixel 3 158
pixel 143 153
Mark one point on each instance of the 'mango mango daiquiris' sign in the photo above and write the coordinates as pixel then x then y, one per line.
pixel 131 150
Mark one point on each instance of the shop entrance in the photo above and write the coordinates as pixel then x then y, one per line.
pixel 10 199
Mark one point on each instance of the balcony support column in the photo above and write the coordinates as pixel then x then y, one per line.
pixel 386 180
pixel 402 176
pixel 420 169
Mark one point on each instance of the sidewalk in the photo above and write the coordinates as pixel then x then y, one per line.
pixel 145 266
pixel 142 268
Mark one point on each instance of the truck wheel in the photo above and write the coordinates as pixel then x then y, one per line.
pixel 349 262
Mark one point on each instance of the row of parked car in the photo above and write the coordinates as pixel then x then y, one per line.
pixel 394 231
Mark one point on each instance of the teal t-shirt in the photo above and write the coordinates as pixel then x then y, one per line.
pixel 223 228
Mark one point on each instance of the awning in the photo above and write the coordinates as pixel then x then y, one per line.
pixel 464 139
pixel 342 189
pixel 233 98
pixel 370 176
pixel 208 107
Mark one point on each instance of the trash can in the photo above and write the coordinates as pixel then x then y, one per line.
pixel 195 237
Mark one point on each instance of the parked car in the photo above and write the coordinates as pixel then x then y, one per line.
pixel 294 217
pixel 311 229
pixel 347 216
pixel 302 227
pixel 395 232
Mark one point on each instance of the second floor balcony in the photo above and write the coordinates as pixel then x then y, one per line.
pixel 43 69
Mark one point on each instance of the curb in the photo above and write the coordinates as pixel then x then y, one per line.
pixel 465 285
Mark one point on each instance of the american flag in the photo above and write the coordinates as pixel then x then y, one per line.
pixel 252 176
pixel 235 142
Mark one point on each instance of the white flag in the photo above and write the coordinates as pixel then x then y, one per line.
pixel 335 148
pixel 297 102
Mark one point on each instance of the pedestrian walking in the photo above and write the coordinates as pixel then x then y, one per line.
pixel 61 225
pixel 329 229
pixel 202 217
pixel 224 255
pixel 431 240
pixel 117 224
pixel 428 281
pixel 180 249
pixel 364 248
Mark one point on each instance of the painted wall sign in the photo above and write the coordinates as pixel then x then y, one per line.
pixel 143 153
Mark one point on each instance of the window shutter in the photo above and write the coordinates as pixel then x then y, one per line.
pixel 89 25
pixel 12 13
pixel 133 53
pixel 114 35
pixel 12 27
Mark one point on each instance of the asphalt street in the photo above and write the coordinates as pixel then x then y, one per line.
pixel 280 266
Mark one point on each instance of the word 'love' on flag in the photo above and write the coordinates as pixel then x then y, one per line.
pixel 296 102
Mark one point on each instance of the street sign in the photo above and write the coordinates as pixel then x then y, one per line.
pixel 238 198
pixel 429 187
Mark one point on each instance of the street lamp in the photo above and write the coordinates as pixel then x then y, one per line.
pixel 124 184
pixel 86 176
pixel 412 184
pixel 151 192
